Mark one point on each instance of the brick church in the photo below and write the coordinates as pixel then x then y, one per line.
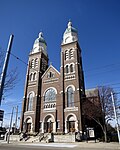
pixel 52 98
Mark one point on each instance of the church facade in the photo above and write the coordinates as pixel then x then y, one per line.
pixel 52 99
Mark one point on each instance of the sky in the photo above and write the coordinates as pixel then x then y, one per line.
pixel 98 25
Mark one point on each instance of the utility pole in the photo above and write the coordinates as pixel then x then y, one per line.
pixel 16 118
pixel 116 120
pixel 8 138
pixel 5 66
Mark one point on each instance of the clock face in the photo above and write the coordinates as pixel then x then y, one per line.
pixel 50 95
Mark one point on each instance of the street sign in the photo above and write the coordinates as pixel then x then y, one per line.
pixel 1 115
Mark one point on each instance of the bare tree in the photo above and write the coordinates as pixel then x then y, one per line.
pixel 101 112
pixel 11 80
pixel 11 77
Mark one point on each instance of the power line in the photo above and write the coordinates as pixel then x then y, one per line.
pixel 51 101
pixel 90 69
pixel 37 70
pixel 106 84
pixel 20 102
pixel 10 113
pixel 98 73
pixel 42 108
pixel 12 103
pixel 106 66
pixel 19 59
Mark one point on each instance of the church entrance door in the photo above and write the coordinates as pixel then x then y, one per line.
pixel 28 127
pixel 48 127
pixel 48 124
pixel 71 126
pixel 71 123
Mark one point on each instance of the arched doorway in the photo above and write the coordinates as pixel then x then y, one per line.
pixel 28 125
pixel 49 124
pixel 71 123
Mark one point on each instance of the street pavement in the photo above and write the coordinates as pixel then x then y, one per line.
pixel 59 146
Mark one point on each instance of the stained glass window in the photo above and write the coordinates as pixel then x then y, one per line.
pixel 70 97
pixel 50 95
pixel 30 101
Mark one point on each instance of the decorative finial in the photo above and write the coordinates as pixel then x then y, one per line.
pixel 69 24
pixel 50 63
pixel 40 34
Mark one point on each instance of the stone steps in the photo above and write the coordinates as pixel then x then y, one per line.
pixel 64 138
pixel 56 138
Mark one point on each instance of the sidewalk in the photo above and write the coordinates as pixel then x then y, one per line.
pixel 92 145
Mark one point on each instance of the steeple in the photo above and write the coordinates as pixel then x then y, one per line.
pixel 70 34
pixel 40 45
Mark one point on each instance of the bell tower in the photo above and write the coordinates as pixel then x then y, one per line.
pixel 37 65
pixel 72 80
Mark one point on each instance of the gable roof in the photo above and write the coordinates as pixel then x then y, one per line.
pixel 49 69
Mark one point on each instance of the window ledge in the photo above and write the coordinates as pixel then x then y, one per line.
pixel 71 109
pixel 29 112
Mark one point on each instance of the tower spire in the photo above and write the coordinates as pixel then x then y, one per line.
pixel 40 45
pixel 70 34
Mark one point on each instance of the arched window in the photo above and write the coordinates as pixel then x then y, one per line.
pixel 32 63
pixel 71 55
pixel 66 54
pixel 34 76
pixel 67 69
pixel 50 95
pixel 70 97
pixel 30 102
pixel 50 74
pixel 71 68
pixel 36 62
pixel 31 77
